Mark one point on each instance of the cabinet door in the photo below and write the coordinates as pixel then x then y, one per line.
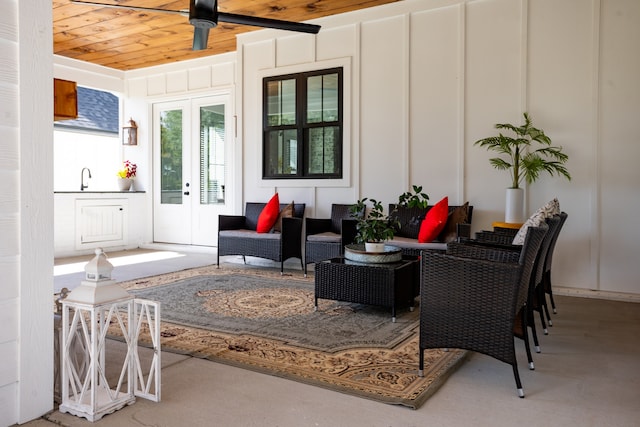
pixel 65 100
pixel 101 223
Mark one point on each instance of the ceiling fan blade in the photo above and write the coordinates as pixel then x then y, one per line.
pixel 120 6
pixel 255 21
pixel 200 38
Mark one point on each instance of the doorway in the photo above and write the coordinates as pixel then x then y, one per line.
pixel 191 153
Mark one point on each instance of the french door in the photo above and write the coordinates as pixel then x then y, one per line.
pixel 191 153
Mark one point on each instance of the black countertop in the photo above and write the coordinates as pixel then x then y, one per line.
pixel 99 192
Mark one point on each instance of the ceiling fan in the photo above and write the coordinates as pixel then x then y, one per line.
pixel 204 15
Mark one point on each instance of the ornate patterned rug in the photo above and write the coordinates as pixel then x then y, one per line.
pixel 260 320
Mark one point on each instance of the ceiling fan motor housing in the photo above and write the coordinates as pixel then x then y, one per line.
pixel 203 13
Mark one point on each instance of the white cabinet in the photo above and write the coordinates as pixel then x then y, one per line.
pixel 87 220
pixel 101 223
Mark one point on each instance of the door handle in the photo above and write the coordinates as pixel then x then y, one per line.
pixel 186 193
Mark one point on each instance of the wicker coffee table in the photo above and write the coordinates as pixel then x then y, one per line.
pixel 389 285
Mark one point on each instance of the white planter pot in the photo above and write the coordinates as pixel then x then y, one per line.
pixel 514 208
pixel 374 247
pixel 124 184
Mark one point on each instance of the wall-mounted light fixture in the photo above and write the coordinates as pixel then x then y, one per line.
pixel 130 133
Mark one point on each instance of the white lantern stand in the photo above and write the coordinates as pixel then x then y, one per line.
pixel 87 313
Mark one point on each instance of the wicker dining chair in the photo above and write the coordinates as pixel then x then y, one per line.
pixel 472 303
pixel 324 237
pixel 548 290
pixel 510 253
pixel 504 238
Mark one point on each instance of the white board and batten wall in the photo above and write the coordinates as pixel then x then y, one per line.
pixel 428 78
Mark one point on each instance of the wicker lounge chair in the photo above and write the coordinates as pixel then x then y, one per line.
pixel 237 235
pixel 323 236
pixel 472 303
pixel 410 219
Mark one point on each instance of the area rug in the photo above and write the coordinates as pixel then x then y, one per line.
pixel 257 319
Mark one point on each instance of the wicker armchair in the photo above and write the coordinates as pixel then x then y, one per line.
pixel 324 237
pixel 472 303
pixel 237 235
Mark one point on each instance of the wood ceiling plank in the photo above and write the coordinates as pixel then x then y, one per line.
pixel 117 37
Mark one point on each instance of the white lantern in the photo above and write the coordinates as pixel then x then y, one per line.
pixel 87 314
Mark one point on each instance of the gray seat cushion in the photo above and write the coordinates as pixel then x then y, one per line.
pixel 251 234
pixel 327 236
pixel 408 243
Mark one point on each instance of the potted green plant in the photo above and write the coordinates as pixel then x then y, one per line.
pixel 373 226
pixel 414 198
pixel 525 156
pixel 411 207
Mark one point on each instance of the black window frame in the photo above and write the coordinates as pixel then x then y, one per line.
pixel 301 127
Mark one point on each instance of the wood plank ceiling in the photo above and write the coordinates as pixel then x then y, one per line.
pixel 127 39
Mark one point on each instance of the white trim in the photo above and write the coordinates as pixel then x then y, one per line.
pixel 406 104
pixel 33 223
pixel 347 121
pixel 596 144
pixel 462 102
pixel 592 293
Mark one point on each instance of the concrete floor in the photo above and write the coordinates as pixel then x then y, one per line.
pixel 588 374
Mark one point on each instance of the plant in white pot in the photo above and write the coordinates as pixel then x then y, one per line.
pixel 373 226
pixel 525 156
pixel 126 175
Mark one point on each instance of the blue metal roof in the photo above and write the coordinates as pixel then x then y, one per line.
pixel 97 111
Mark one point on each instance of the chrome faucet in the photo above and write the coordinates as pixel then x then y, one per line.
pixel 82 186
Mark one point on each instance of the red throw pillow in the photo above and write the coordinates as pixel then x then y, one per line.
pixel 434 221
pixel 269 215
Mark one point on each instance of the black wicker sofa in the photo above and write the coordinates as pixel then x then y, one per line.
pixel 406 238
pixel 237 235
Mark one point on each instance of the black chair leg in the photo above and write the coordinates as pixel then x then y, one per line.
pixel 518 383
pixel 525 335
pixel 539 297
pixel 534 334
pixel 421 363
pixel 546 310
pixel 549 290
pixel 542 321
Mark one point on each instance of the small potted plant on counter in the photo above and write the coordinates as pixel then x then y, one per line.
pixel 126 175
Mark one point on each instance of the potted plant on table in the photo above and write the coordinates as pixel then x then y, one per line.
pixel 373 226
pixel 527 155
pixel 126 175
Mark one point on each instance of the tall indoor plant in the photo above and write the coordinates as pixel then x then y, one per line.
pixel 525 156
